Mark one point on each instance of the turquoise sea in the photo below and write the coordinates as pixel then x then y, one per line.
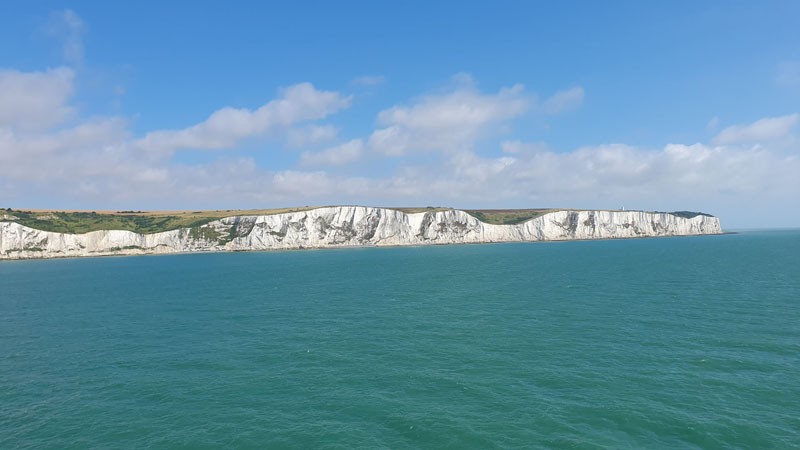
pixel 663 343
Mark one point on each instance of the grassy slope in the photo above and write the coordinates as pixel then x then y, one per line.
pixel 507 216
pixel 493 216
pixel 156 221
pixel 137 221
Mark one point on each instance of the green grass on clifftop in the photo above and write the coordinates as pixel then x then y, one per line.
pixel 492 216
pixel 507 216
pixel 83 222
pixel 78 222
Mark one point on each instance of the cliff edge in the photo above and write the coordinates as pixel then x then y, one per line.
pixel 343 226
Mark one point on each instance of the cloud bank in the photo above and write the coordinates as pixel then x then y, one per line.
pixel 456 146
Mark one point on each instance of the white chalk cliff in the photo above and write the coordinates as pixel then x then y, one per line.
pixel 343 226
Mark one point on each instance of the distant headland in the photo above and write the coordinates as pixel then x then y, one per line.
pixel 27 234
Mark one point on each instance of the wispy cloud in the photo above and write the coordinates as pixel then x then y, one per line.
pixel 446 122
pixel 713 124
pixel 768 129
pixel 68 28
pixel 368 80
pixel 334 156
pixel 788 74
pixel 311 135
pixel 228 126
pixel 563 101
pixel 520 147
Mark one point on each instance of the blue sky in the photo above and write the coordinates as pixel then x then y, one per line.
pixel 657 106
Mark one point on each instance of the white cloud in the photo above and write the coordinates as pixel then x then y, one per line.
pixel 34 101
pixel 69 28
pixel 563 101
pixel 476 169
pixel 311 135
pixel 228 126
pixel 85 135
pixel 742 185
pixel 95 148
pixel 291 184
pixel 334 156
pixel 448 122
pixel 98 162
pixel 517 147
pixel 767 129
pixel 391 141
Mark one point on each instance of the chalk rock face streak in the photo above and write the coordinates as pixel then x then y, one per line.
pixel 342 226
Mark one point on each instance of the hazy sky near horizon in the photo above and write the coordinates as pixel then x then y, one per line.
pixel 681 105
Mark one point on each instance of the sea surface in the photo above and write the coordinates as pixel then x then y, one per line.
pixel 669 343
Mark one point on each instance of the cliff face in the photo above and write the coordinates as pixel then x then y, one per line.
pixel 349 226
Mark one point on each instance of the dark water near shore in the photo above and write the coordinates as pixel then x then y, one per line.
pixel 653 343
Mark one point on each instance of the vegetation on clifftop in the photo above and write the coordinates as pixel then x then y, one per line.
pixel 689 214
pixel 492 216
pixel 79 222
pixel 83 222
pixel 506 216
